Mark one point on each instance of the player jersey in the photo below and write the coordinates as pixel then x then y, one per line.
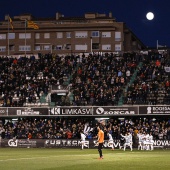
pixel 147 138
pixel 110 137
pixel 140 137
pixel 128 138
pixel 100 136
pixel 83 137
pixel 151 139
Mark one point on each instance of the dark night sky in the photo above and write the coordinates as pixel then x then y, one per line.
pixel 132 12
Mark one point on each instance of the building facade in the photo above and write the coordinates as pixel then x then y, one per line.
pixel 92 33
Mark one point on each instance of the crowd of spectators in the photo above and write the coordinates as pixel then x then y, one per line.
pixel 96 79
pixel 26 79
pixel 151 86
pixel 70 128
pixel 100 79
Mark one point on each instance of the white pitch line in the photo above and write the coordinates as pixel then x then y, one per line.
pixel 3 160
pixel 21 159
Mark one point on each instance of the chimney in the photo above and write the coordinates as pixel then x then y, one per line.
pixel 110 14
pixel 58 16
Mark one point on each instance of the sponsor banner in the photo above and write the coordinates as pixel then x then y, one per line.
pixel 53 143
pixel 73 143
pixel 161 143
pixel 21 143
pixel 101 111
pixel 116 144
pixel 154 110
pixel 74 111
pixel 3 111
pixel 65 143
pixel 27 111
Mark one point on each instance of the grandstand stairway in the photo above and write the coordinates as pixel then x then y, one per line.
pixel 44 101
pixel 121 99
pixel 46 98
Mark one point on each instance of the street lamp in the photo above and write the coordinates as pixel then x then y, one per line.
pixel 91 42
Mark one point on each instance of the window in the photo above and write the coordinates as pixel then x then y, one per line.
pixel 24 48
pixel 2 48
pixel 68 46
pixel 59 35
pixel 37 48
pixel 68 34
pixel 117 47
pixel 59 47
pixel 106 47
pixel 95 46
pixel 37 35
pixel 81 47
pixel 106 34
pixel 46 35
pixel 117 36
pixel 81 34
pixel 11 35
pixel 2 36
pixel 47 47
pixel 23 35
pixel 95 33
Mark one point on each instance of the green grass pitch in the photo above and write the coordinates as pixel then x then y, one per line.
pixel 87 159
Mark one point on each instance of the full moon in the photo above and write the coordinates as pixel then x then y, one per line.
pixel 150 16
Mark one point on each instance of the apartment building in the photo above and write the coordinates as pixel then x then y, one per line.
pixel 91 33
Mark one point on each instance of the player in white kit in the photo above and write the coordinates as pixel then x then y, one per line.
pixel 128 141
pixel 83 141
pixel 140 142
pixel 110 141
pixel 151 142
pixel 146 141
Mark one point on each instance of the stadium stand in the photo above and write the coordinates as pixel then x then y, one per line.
pixel 64 128
pixel 88 80
pixel 95 80
pixel 151 83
